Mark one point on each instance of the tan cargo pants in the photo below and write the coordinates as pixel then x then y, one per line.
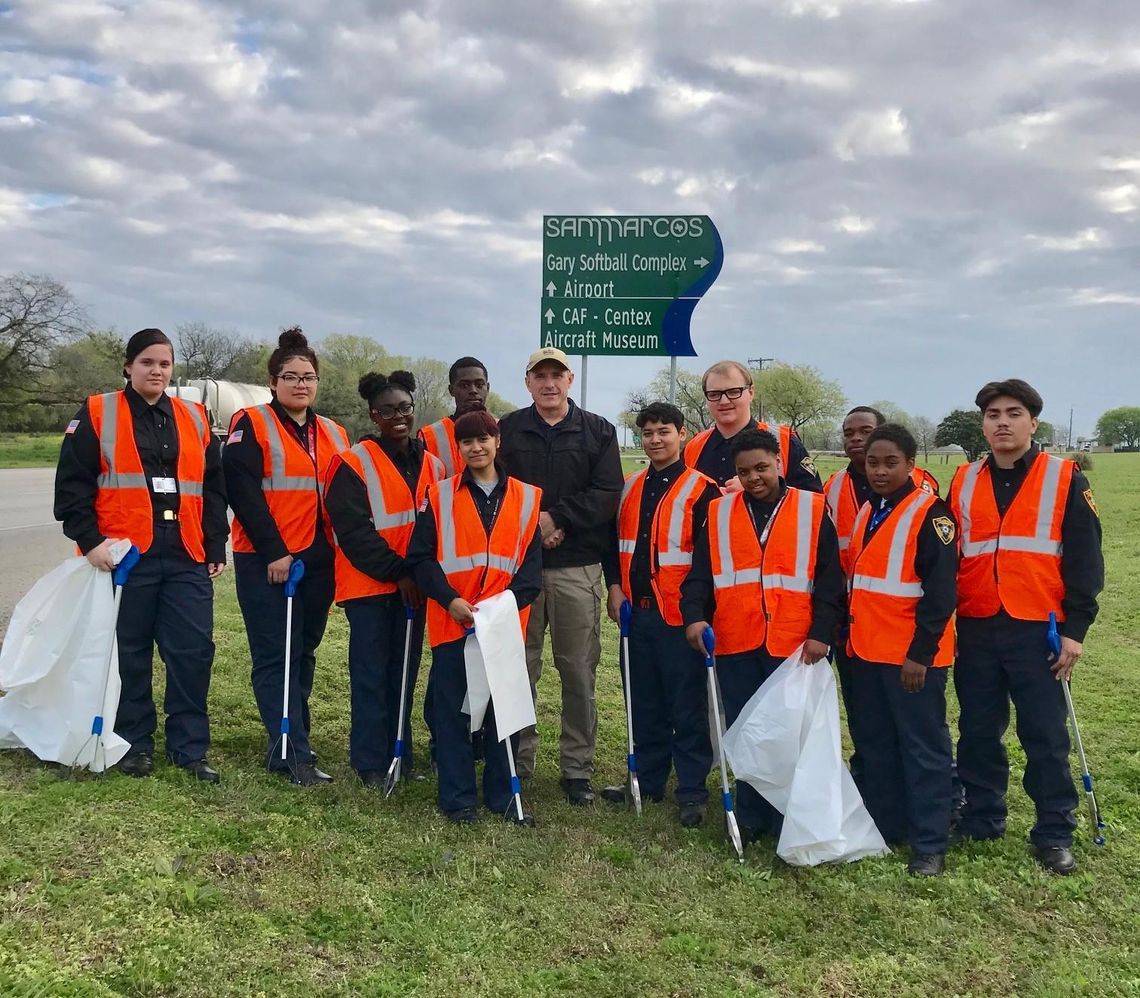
pixel 571 606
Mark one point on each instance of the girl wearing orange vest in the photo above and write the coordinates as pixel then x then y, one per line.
pixel 766 573
pixel 902 563
pixel 276 458
pixel 477 537
pixel 374 490
pixel 140 465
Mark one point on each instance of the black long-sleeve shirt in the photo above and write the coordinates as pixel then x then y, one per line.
pixel 935 564
pixel 243 462
pixel 346 503
pixel 156 438
pixel 657 484
pixel 698 595
pixel 429 574
pixel 716 461
pixel 1082 561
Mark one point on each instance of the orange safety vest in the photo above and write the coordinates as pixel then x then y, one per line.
pixel 293 487
pixel 439 439
pixel 123 506
pixel 671 544
pixel 763 591
pixel 884 589
pixel 783 433
pixel 477 566
pixel 843 506
pixel 1012 561
pixel 392 507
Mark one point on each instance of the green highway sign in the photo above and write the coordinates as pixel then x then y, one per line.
pixel 625 284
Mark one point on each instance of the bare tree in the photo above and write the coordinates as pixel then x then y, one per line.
pixel 925 430
pixel 206 352
pixel 37 315
pixel 690 399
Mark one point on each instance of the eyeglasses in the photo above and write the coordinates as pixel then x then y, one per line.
pixel 392 411
pixel 298 379
pixel 732 393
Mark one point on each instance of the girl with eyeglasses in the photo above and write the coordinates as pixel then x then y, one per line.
pixel 275 461
pixel 372 495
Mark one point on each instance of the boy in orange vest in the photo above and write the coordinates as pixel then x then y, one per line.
pixel 902 565
pixel 1030 547
pixel 766 573
pixel 662 510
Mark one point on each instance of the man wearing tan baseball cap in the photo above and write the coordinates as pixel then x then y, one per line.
pixel 572 455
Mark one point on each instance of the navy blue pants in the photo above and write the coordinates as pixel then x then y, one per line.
pixel 843 666
pixel 740 676
pixel 451 727
pixel 169 600
pixel 905 746
pixel 263 607
pixel 670 708
pixel 377 632
pixel 1002 659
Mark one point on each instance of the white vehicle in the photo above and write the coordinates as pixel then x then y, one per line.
pixel 221 399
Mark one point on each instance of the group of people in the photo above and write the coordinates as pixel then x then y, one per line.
pixel 729 528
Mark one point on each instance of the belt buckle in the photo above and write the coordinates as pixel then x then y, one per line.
pixel 645 603
pixel 169 515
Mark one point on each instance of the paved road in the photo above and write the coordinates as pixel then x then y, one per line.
pixel 31 542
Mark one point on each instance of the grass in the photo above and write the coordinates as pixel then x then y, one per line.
pixel 29 450
pixel 167 887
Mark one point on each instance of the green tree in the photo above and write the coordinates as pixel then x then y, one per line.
pixel 894 413
pixel 798 394
pixel 1119 427
pixel 1046 433
pixel 964 428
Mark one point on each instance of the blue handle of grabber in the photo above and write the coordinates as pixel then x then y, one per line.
pixel 296 573
pixel 1053 636
pixel 708 639
pixel 410 612
pixel 126 563
pixel 625 614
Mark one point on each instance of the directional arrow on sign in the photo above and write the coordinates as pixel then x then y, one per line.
pixel 550 288
pixel 549 315
pixel 700 261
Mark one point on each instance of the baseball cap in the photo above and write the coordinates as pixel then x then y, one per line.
pixel 547 353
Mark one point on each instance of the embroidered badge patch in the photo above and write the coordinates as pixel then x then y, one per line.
pixel 235 437
pixel 74 425
pixel 808 465
pixel 1092 502
pixel 944 528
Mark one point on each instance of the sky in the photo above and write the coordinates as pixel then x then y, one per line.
pixel 914 196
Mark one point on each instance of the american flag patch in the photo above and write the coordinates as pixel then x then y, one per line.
pixel 72 426
pixel 235 437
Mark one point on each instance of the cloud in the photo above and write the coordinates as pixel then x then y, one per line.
pixel 874 133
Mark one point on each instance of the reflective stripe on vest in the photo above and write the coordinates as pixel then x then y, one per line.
pixel 801 581
pixel 834 493
pixel 381 518
pixel 892 583
pixel 439 442
pixel 108 432
pixel 451 562
pixel 1041 542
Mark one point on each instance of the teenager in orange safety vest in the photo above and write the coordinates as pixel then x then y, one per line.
pixel 766 574
pixel 662 510
pixel 846 491
pixel 276 458
pixel 729 392
pixel 374 490
pixel 902 565
pixel 477 537
pixel 139 465
pixel 1031 546
pixel 466 383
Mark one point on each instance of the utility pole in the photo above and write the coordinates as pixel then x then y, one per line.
pixel 1069 446
pixel 760 362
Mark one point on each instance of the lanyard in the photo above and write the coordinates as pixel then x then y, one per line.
pixel 762 535
pixel 880 514
pixel 311 439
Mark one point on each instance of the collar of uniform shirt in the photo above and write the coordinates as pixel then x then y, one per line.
pixel 140 405
pixel 1021 464
pixel 667 473
pixel 406 456
pixel 468 479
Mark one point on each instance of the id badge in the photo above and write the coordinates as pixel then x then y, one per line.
pixel 164 486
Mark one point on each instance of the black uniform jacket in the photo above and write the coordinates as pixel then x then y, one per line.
pixel 716 461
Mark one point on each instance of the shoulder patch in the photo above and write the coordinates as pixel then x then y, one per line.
pixel 944 528
pixel 74 425
pixel 1092 502
pixel 925 486
pixel 809 466
pixel 235 437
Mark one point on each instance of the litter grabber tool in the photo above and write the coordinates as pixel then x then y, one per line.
pixel 624 616
pixel 119 575
pixel 709 641
pixel 292 580
pixel 1096 823
pixel 393 776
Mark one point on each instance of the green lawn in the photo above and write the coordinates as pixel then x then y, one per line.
pixel 167 887
pixel 29 450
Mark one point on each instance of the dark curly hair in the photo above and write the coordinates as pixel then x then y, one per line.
pixel 755 440
pixel 291 343
pixel 374 384
pixel 898 435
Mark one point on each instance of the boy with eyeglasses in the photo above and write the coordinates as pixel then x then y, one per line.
pixel 729 392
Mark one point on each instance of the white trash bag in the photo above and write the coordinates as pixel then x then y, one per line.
pixel 53 665
pixel 786 745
